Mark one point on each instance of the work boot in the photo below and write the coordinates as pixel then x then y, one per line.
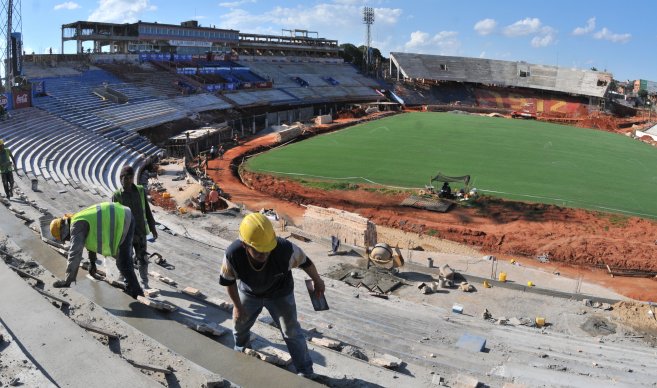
pixel 61 284
pixel 143 274
pixel 92 268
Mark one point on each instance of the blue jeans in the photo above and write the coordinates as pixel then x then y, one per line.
pixel 283 311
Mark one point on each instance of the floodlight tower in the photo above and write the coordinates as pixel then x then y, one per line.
pixel 11 51
pixel 368 19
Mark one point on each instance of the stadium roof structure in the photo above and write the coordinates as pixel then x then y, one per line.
pixel 191 38
pixel 503 73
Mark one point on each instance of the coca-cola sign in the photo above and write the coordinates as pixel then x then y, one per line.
pixel 21 100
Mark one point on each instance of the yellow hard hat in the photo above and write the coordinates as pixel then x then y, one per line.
pixel 257 232
pixel 56 228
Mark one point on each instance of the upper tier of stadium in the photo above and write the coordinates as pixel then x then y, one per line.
pixel 502 73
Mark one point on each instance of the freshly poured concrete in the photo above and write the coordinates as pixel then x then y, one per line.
pixel 233 366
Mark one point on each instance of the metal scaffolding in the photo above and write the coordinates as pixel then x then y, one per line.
pixel 11 22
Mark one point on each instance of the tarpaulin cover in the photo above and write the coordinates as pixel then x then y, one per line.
pixel 444 178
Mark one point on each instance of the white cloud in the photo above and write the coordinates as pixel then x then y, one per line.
pixel 543 35
pixel 337 20
pixel 485 26
pixel 546 38
pixel 523 27
pixel 590 26
pixel 69 5
pixel 482 54
pixel 120 11
pixel 235 4
pixel 444 42
pixel 606 34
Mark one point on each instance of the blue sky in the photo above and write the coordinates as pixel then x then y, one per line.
pixel 576 33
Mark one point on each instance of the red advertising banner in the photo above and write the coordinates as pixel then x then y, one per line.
pixel 22 99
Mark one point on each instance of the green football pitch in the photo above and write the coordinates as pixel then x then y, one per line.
pixel 514 159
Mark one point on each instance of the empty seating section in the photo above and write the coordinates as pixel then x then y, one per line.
pixel 260 97
pixel 502 73
pixel 72 99
pixel 48 147
pixel 316 82
pixel 201 102
pixel 451 92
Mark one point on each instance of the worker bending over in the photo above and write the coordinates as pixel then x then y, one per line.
pixel 105 228
pixel 263 262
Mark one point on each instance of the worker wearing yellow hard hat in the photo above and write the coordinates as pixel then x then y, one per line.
pixel 105 228
pixel 257 272
pixel 6 160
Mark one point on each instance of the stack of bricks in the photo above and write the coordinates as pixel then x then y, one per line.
pixel 350 228
pixel 289 134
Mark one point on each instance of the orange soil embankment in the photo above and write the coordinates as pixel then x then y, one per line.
pixel 577 240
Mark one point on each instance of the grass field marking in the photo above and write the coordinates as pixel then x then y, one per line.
pixel 339 178
pixel 376 129
pixel 564 200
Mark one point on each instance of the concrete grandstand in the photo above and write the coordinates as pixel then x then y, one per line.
pixel 506 85
pixel 114 96
pixel 143 83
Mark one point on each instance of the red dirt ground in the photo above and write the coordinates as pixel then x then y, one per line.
pixel 579 242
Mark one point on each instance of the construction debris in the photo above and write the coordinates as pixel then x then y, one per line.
pixel 465 381
pixel 51 296
pixel 326 342
pixel 97 330
pixel 163 306
pixel 471 342
pixel 375 279
pixel 163 279
pixel 282 358
pixel 486 314
pixel 24 274
pixel 387 361
pixel 209 328
pixel 151 292
pixel 262 356
pixel 191 291
pixel 447 272
pixel 466 287
pixel 166 371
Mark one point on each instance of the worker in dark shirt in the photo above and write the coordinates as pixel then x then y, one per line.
pixel 263 265
pixel 134 197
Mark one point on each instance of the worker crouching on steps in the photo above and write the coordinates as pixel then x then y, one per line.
pixel 105 228
pixel 263 264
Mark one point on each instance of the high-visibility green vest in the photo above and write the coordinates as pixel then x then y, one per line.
pixel 106 222
pixel 5 160
pixel 140 189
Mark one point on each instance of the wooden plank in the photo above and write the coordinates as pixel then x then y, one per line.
pixel 98 330
pixel 299 237
pixel 25 274
pixel 149 367
pixel 51 296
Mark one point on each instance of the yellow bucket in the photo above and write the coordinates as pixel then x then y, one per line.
pixel 502 277
pixel 166 195
pixel 540 321
pixel 530 284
